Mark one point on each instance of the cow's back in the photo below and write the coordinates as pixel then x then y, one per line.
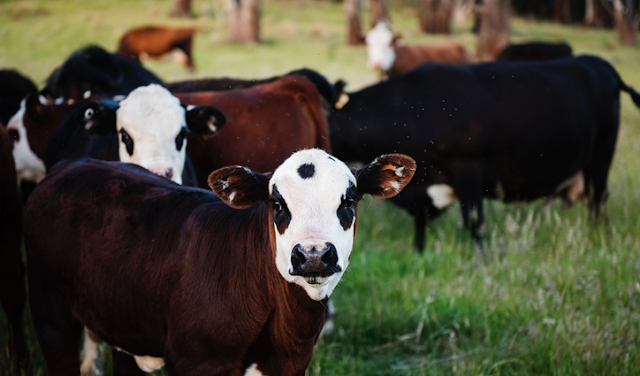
pixel 265 125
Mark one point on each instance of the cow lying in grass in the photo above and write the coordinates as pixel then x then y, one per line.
pixel 391 57
pixel 174 275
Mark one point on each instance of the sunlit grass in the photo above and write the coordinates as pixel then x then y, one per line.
pixel 554 292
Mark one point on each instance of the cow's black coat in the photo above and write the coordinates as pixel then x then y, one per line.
pixel 509 130
pixel 94 69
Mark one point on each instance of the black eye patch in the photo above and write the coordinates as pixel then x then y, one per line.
pixel 281 213
pixel 127 141
pixel 180 138
pixel 347 209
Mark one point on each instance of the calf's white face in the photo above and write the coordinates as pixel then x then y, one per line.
pixel 151 126
pixel 313 199
pixel 28 165
pixel 380 47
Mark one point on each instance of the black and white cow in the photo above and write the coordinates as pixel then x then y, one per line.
pixel 516 131
pixel 148 128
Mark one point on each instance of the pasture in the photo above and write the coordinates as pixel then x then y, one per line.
pixel 555 293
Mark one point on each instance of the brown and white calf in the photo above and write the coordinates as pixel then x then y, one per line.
pixel 229 286
pixel 391 57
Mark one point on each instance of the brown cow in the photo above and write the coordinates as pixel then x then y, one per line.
pixel 391 57
pixel 231 286
pixel 12 289
pixel 157 41
pixel 265 125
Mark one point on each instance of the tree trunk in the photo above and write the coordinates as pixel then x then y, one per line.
pixel 379 11
pixel 354 31
pixel 461 10
pixel 624 24
pixel 562 11
pixel 243 20
pixel 494 34
pixel 589 13
pixel 435 16
pixel 181 8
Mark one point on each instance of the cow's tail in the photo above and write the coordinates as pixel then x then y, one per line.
pixel 632 92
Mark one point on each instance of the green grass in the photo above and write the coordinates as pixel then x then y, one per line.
pixel 556 292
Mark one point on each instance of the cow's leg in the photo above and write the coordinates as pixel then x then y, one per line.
pixel 468 187
pixel 13 298
pixel 420 221
pixel 186 48
pixel 125 365
pixel 598 172
pixel 92 355
pixel 59 332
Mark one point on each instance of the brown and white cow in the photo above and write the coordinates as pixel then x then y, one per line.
pixel 391 57
pixel 158 41
pixel 175 275
pixel 265 124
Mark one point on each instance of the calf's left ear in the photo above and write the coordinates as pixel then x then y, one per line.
pixel 204 120
pixel 386 176
pixel 239 187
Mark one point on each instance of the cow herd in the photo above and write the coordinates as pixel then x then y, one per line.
pixel 202 225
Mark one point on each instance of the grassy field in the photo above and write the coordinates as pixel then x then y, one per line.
pixel 556 294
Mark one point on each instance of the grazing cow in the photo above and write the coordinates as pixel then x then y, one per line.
pixel 148 128
pixel 98 71
pixel 12 286
pixel 391 57
pixel 516 131
pixel 535 51
pixel 157 41
pixel 13 88
pixel 266 123
pixel 174 275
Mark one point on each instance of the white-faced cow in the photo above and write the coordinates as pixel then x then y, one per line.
pixel 515 131
pixel 148 128
pixel 175 275
pixel 391 57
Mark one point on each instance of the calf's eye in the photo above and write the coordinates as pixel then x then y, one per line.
pixel 127 141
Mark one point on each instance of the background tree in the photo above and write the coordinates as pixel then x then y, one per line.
pixel 181 8
pixel 354 30
pixel 495 32
pixel 562 11
pixel 435 16
pixel 243 20
pixel 624 22
pixel 379 11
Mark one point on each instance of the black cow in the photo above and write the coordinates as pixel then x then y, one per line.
pixel 535 51
pixel 12 284
pixel 516 131
pixel 98 71
pixel 13 88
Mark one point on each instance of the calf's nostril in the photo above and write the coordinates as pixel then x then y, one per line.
pixel 298 258
pixel 330 255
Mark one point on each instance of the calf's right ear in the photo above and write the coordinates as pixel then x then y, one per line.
pixel 99 117
pixel 239 187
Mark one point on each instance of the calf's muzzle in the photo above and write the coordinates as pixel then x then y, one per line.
pixel 314 261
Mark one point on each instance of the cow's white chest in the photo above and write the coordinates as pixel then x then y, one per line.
pixel 253 371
